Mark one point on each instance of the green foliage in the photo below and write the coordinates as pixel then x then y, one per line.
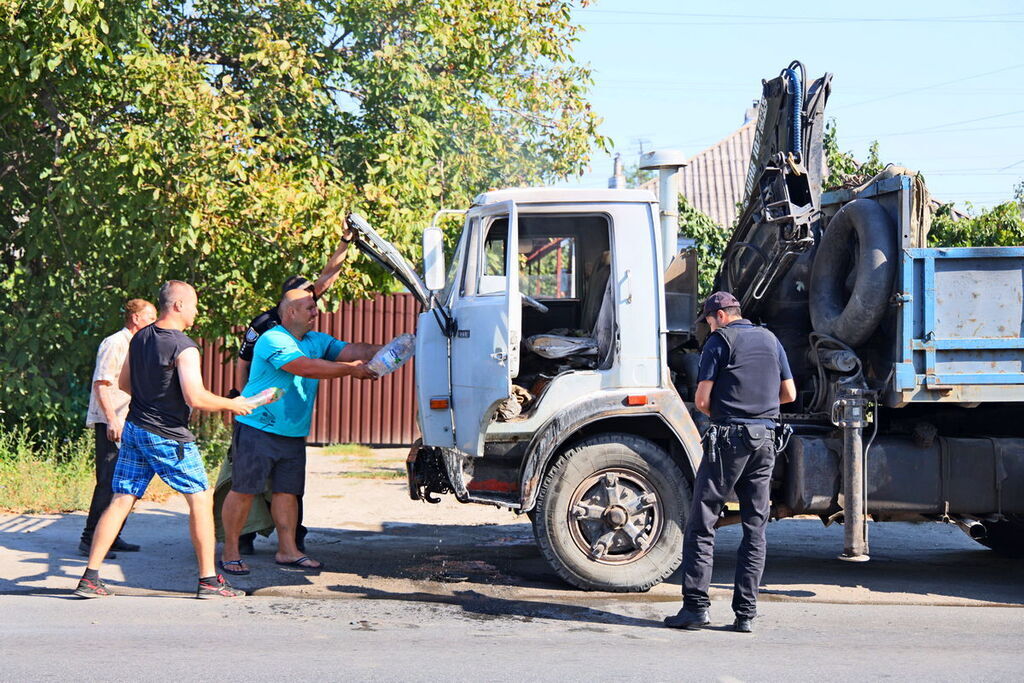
pixel 1000 226
pixel 213 437
pixel 843 168
pixel 222 143
pixel 711 242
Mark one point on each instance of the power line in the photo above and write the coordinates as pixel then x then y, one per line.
pixel 931 86
pixel 986 18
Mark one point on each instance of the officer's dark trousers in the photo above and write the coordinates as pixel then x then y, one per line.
pixel 106 461
pixel 746 467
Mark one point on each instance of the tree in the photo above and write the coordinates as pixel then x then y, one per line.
pixel 844 170
pixel 711 241
pixel 223 143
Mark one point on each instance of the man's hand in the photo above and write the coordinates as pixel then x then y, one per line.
pixel 240 406
pixel 348 233
pixel 359 369
pixel 114 429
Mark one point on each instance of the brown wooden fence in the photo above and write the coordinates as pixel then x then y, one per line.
pixel 348 411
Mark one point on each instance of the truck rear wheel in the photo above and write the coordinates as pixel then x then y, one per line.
pixel 1006 537
pixel 610 514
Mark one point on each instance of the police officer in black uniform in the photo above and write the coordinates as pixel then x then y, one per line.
pixel 744 376
pixel 271 318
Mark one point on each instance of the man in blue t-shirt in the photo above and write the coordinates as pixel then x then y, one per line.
pixel 742 379
pixel 270 442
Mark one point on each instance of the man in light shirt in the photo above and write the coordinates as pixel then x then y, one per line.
pixel 108 406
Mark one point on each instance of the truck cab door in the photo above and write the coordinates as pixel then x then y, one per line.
pixel 485 347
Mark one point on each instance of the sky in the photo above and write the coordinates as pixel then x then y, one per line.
pixel 939 84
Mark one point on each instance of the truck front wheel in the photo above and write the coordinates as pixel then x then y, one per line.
pixel 610 514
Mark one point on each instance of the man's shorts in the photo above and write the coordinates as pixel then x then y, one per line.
pixel 144 454
pixel 257 455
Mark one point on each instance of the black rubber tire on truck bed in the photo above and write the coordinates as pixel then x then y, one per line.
pixel 1006 538
pixel 632 460
pixel 853 320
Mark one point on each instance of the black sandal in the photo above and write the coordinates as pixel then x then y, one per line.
pixel 225 567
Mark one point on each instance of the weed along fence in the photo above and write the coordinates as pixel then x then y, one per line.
pixel 348 411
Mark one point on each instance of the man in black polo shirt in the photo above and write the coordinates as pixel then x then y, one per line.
pixel 743 377
pixel 271 318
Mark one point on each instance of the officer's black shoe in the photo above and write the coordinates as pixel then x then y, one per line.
pixel 124 546
pixel 688 620
pixel 743 625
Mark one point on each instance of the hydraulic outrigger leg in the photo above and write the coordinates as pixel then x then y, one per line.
pixel 851 406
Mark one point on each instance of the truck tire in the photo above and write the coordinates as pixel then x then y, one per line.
pixel 610 514
pixel 853 320
pixel 1006 537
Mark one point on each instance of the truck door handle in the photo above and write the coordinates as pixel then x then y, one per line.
pixel 499 356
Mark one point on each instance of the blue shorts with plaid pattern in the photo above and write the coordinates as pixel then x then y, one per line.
pixel 144 454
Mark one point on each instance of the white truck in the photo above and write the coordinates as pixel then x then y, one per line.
pixel 556 360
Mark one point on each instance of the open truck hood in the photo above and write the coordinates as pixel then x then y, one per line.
pixel 385 253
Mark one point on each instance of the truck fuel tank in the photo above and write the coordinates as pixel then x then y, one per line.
pixel 946 476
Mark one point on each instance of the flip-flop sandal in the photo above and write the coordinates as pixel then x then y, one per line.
pixel 226 567
pixel 298 564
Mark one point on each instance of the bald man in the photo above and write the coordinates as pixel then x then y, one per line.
pixel 162 373
pixel 270 443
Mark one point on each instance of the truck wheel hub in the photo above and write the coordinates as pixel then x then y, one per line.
pixel 615 516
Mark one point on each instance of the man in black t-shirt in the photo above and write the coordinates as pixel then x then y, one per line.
pixel 269 319
pixel 742 379
pixel 163 375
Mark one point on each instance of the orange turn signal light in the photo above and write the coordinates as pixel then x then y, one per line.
pixel 636 400
pixel 439 403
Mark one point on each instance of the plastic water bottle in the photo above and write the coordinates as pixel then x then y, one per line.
pixel 393 355
pixel 266 396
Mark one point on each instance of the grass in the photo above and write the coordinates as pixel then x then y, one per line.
pixel 40 476
pixel 45 477
pixel 352 450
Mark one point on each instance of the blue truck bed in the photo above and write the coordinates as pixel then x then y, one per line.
pixel 961 327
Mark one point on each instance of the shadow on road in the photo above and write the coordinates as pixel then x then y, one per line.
pixel 481 606
pixel 928 563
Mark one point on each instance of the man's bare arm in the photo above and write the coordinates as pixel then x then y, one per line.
pixel 332 269
pixel 315 368
pixel 196 395
pixel 703 397
pixel 124 380
pixel 787 392
pixel 358 351
pixel 114 424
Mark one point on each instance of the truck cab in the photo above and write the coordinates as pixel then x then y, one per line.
pixel 542 382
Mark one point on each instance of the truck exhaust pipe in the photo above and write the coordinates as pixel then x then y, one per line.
pixel 667 162
pixel 971 527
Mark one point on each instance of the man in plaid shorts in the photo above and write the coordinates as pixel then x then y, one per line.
pixel 162 373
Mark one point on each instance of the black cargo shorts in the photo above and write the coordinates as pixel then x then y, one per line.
pixel 259 455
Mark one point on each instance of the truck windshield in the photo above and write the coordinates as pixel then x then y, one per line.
pixel 456 262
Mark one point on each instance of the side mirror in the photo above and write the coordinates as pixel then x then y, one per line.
pixel 433 259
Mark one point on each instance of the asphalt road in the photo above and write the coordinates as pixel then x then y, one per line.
pixel 470 636
pixel 418 592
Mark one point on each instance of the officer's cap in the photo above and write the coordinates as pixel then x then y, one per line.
pixel 718 301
